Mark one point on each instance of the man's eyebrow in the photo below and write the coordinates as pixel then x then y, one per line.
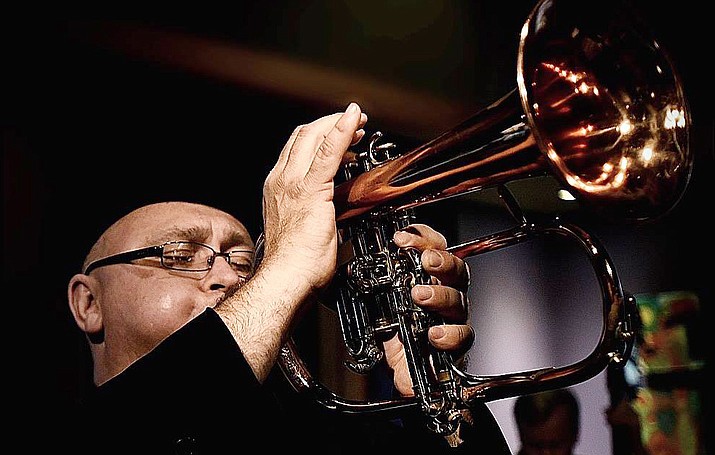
pixel 189 233
pixel 237 240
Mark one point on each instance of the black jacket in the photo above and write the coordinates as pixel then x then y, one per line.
pixel 195 394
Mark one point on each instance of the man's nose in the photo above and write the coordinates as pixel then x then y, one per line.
pixel 222 273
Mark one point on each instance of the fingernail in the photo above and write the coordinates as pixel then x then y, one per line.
pixel 401 237
pixel 352 108
pixel 423 292
pixel 432 258
pixel 437 332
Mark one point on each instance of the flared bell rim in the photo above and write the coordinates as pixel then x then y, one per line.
pixel 606 107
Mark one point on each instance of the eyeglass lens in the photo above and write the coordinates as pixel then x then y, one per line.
pixel 195 256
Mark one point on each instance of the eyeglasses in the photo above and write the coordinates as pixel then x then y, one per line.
pixel 183 256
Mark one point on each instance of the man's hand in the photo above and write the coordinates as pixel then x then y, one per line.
pixel 298 211
pixel 446 297
pixel 300 238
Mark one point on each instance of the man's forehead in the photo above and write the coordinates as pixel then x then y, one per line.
pixel 196 231
pixel 167 222
pixel 223 230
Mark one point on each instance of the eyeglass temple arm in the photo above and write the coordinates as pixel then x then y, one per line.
pixel 125 257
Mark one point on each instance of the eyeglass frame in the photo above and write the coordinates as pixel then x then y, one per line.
pixel 158 251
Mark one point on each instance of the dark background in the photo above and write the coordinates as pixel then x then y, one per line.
pixel 102 115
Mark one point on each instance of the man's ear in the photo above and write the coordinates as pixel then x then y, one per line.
pixel 85 307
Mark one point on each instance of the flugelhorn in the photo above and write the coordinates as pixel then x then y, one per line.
pixel 598 105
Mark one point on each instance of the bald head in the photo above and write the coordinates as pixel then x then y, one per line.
pixel 160 222
pixel 129 305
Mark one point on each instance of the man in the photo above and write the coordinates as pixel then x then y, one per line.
pixel 548 422
pixel 184 334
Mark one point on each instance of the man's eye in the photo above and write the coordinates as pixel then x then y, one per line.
pixel 242 269
pixel 242 262
pixel 179 256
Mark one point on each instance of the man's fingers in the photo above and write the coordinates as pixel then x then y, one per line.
pixel 312 145
pixel 446 268
pixel 298 154
pixel 456 338
pixel 335 143
pixel 448 302
pixel 420 236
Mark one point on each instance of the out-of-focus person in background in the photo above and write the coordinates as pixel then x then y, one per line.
pixel 548 422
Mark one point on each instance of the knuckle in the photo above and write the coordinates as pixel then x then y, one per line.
pixel 325 147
